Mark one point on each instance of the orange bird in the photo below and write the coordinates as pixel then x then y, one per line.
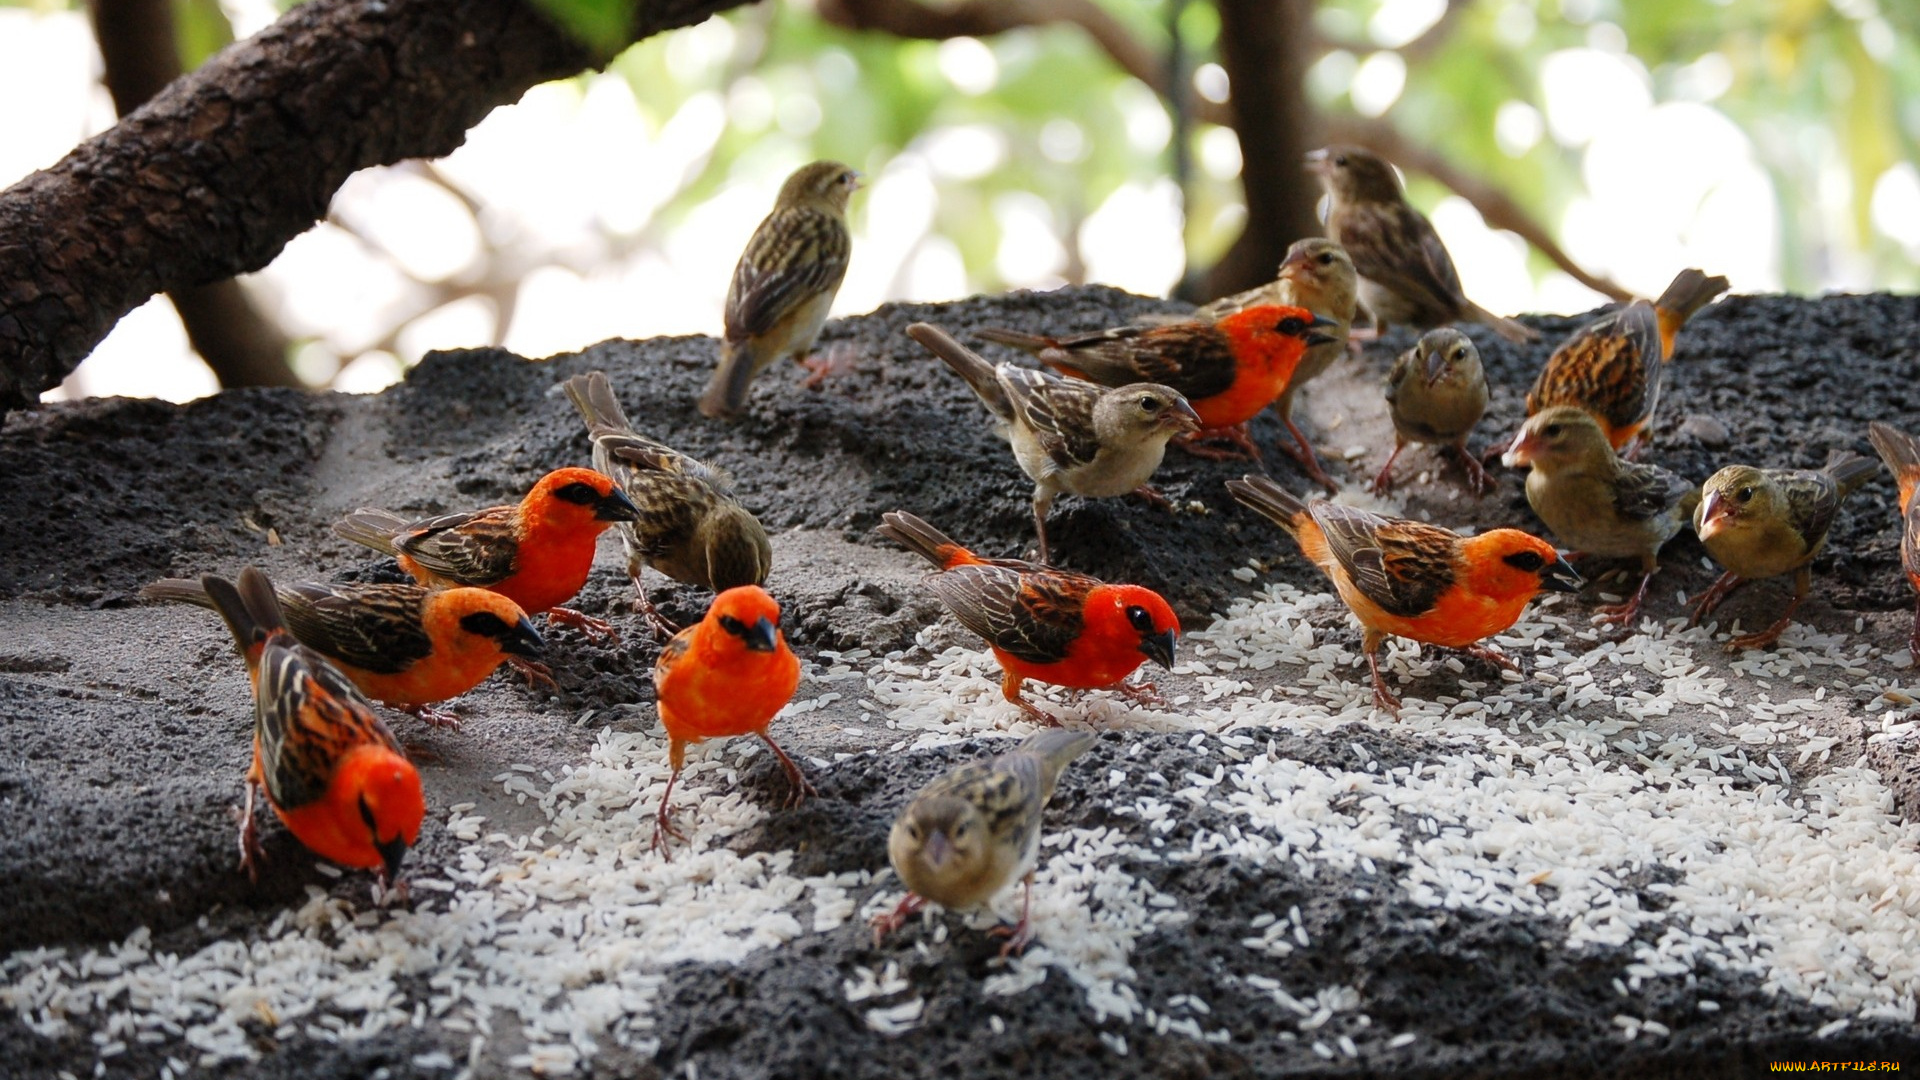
pixel 330 769
pixel 1045 623
pixel 404 646
pixel 535 553
pixel 1415 580
pixel 1901 452
pixel 1228 370
pixel 1613 366
pixel 726 675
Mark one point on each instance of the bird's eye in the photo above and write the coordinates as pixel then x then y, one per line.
pixel 1326 258
pixel 1460 354
pixel 1745 494
pixel 1139 619
pixel 1291 325
pixel 1340 159
pixel 733 626
pixel 484 624
pixel 1527 561
pixel 913 833
pixel 1552 431
pixel 578 492
pixel 1149 404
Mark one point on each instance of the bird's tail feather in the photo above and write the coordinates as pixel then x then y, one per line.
pixel 966 363
pixel 1505 327
pixel 1848 469
pixel 179 591
pixel 251 610
pixel 1898 449
pixel 726 392
pixel 924 540
pixel 1032 343
pixel 1283 507
pixel 1690 291
pixel 373 528
pixel 593 395
pixel 1057 747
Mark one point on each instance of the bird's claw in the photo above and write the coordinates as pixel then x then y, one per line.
pixel 1492 656
pixel 1243 447
pixel 1153 497
pixel 1018 936
pixel 1143 693
pixel 535 671
pixel 598 631
pixel 837 361
pixel 1038 715
pixel 887 922
pixel 432 717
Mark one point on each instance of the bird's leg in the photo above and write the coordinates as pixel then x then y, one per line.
pixel 1143 693
pixel 887 923
pixel 387 893
pixel 1625 614
pixel 251 853
pixel 1383 483
pixel 432 717
pixel 1913 642
pixel 1042 506
pixel 800 788
pixel 535 671
pixel 662 820
pixel 1802 585
pixel 597 630
pixel 1153 497
pixel 1020 933
pixel 1478 481
pixel 1634 446
pixel 838 360
pixel 1491 655
pixel 1308 460
pixel 1717 592
pixel 1244 449
pixel 1383 698
pixel 1010 689
pixel 663 630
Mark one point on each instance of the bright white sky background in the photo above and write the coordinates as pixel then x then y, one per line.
pixel 567 164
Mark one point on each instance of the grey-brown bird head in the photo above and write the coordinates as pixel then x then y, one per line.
pixel 1447 357
pixel 1321 266
pixel 826 184
pixel 1354 174
pixel 941 846
pixel 1737 497
pixel 1557 438
pixel 1134 414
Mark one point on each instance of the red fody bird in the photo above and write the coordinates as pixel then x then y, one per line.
pixel 1228 370
pixel 1901 452
pixel 405 646
pixel 726 675
pixel 329 768
pixel 536 552
pixel 1415 580
pixel 1044 623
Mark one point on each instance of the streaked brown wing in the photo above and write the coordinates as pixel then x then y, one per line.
pixel 1812 501
pixel 306 717
pixel 671 654
pixel 1193 358
pixel 1006 790
pixel 629 454
pixel 795 255
pixel 1059 412
pixel 1644 492
pixel 1034 615
pixel 1604 368
pixel 1396 247
pixel 1401 565
pixel 474 548
pixel 375 627
pixel 1910 541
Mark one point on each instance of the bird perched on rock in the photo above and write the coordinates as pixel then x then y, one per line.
pixel 1415 580
pixel 975 830
pixel 1228 370
pixel 1613 366
pixel 1044 623
pixel 1406 275
pixel 1901 452
pixel 1318 275
pixel 726 675
pixel 785 282
pixel 329 768
pixel 1436 393
pixel 536 552
pixel 687 524
pixel 404 646
pixel 1761 523
pixel 1597 503
pixel 1069 435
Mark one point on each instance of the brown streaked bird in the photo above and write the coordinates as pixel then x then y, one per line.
pixel 1070 436
pixel 404 646
pixel 1595 502
pixel 1436 393
pixel 687 523
pixel 1761 523
pixel 1414 580
pixel 1406 275
pixel 976 830
pixel 785 282
pixel 1613 367
pixel 1901 452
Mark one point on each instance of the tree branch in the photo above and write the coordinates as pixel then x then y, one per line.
pixel 213 176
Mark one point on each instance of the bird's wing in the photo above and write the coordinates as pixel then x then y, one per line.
pixel 373 627
pixel 1604 368
pixel 1644 492
pixel 1034 615
pixel 796 254
pixel 1403 566
pixel 474 548
pixel 1192 357
pixel 307 716
pixel 1058 411
pixel 1398 248
pixel 1812 501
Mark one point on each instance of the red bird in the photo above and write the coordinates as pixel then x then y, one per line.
pixel 330 769
pixel 726 675
pixel 1228 370
pixel 536 553
pixel 404 646
pixel 1044 623
pixel 1901 452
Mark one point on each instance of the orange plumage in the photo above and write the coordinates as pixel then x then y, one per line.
pixel 1228 370
pixel 1901 452
pixel 330 769
pixel 536 552
pixel 726 675
pixel 404 646
pixel 1044 623
pixel 1411 579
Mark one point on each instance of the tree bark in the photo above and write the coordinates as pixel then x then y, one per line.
pixel 213 176
pixel 138 43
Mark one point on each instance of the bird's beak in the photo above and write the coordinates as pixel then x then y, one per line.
pixel 615 506
pixel 938 850
pixel 1559 577
pixel 391 853
pixel 521 639
pixel 762 636
pixel 1316 331
pixel 1521 452
pixel 1159 648
pixel 1295 266
pixel 1181 418
pixel 1714 512
pixel 1316 161
pixel 854 177
pixel 1437 366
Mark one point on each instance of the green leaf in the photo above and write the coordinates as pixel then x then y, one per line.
pixel 605 26
pixel 200 29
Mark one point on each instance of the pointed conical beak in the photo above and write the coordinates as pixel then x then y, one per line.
pixel 615 506
pixel 938 850
pixel 1437 366
pixel 1521 452
pixel 1181 418
pixel 1159 648
pixel 392 852
pixel 1317 331
pixel 1316 161
pixel 1714 511
pixel 1559 577
pixel 521 639
pixel 762 636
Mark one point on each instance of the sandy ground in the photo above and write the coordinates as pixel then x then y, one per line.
pixel 125 727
